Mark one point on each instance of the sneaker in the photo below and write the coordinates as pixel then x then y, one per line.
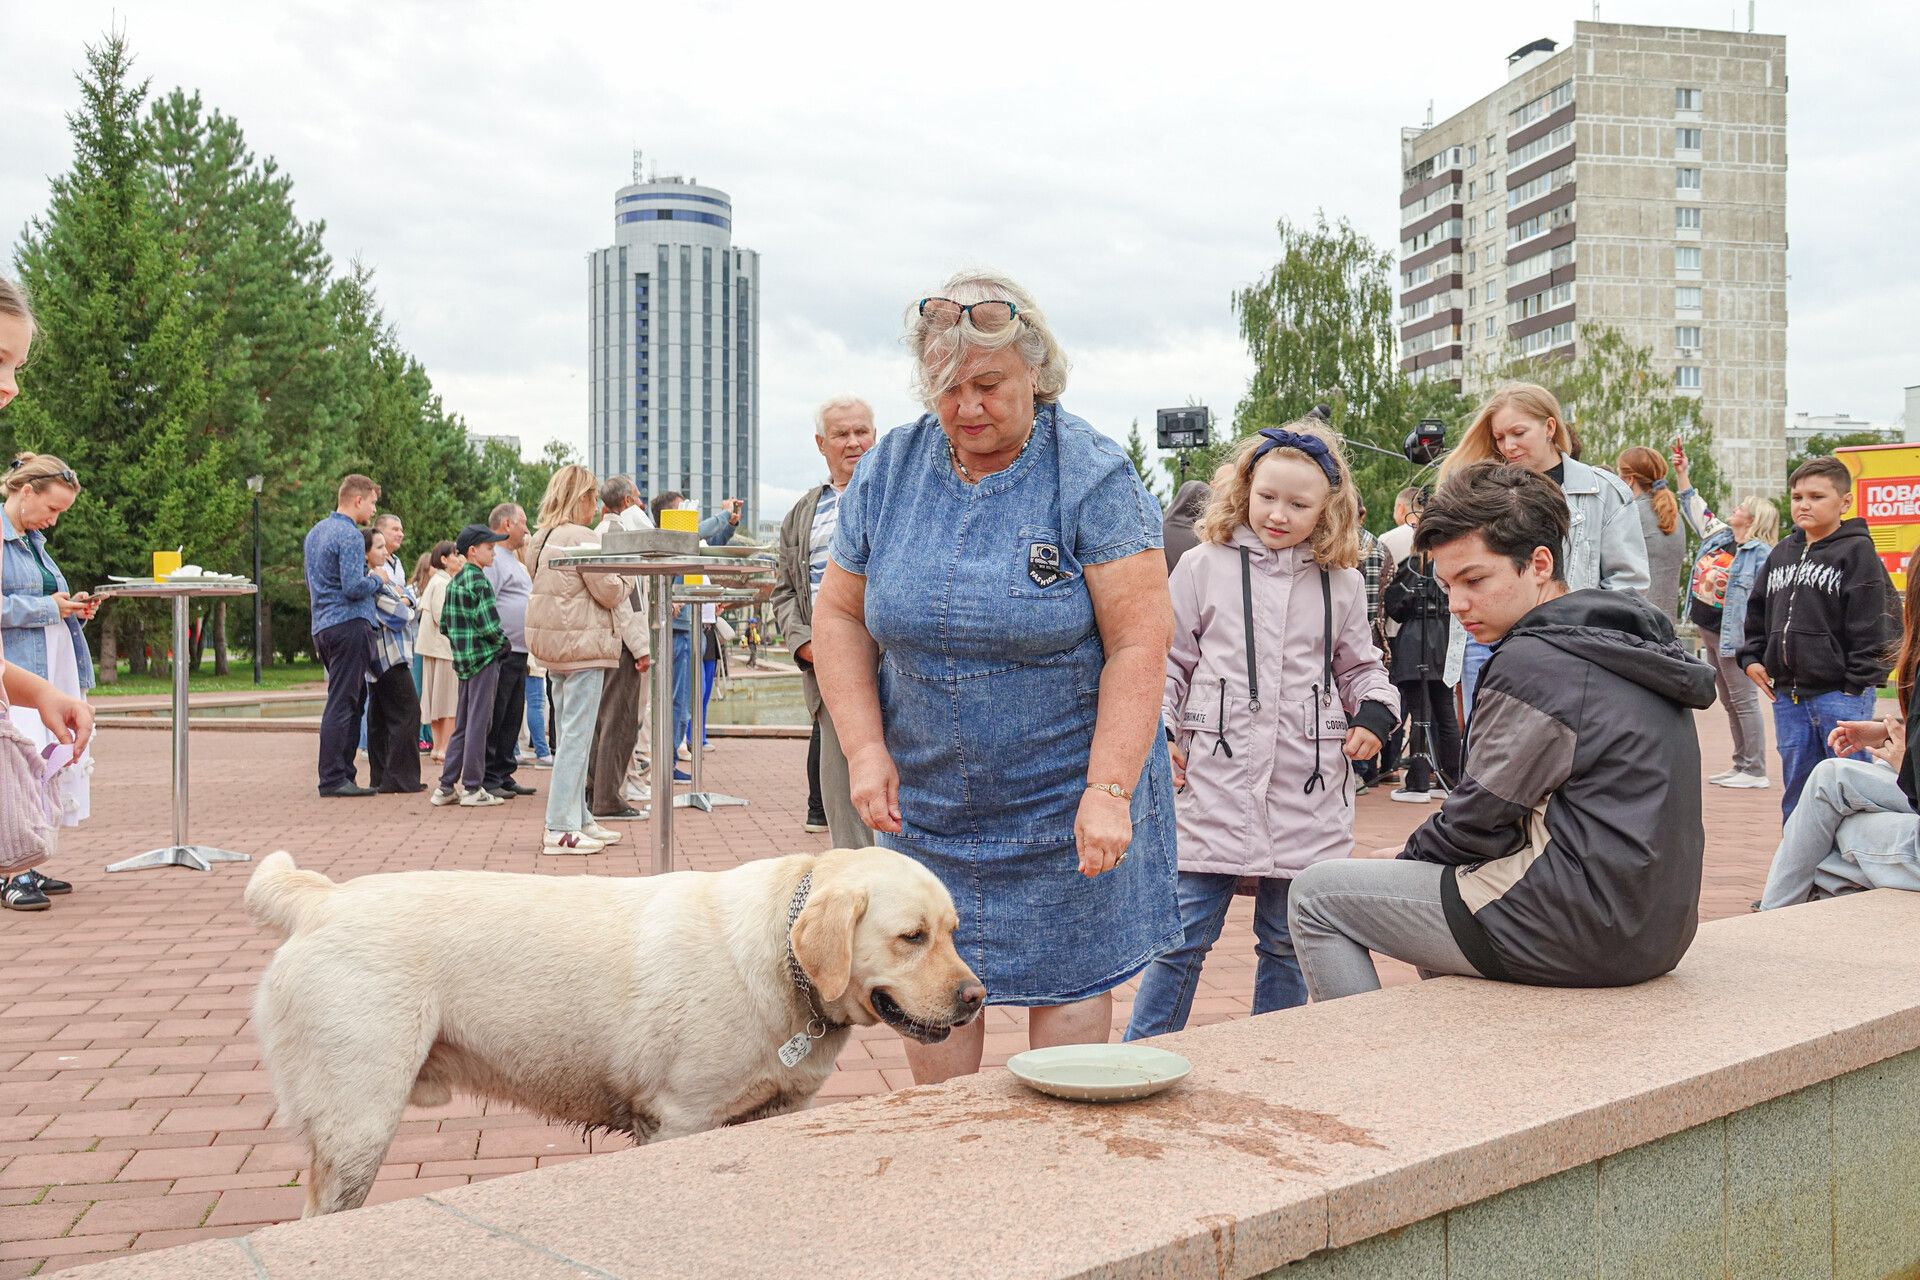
pixel 569 842
pixel 478 799
pixel 502 794
pixel 681 775
pixel 543 762
pixel 628 814
pixel 20 894
pixel 815 824
pixel 443 796
pixel 1722 776
pixel 1403 796
pixel 1745 781
pixel 597 832
pixel 684 752
pixel 637 794
pixel 47 884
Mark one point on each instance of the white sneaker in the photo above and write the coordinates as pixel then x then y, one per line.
pixel 1404 796
pixel 605 835
pixel 443 796
pixel 570 842
pixel 638 794
pixel 684 753
pixel 478 798
pixel 1745 781
pixel 1721 777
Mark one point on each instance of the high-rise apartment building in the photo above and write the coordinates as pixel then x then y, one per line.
pixel 1670 146
pixel 674 347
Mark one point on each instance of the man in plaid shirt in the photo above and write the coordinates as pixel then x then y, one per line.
pixel 470 621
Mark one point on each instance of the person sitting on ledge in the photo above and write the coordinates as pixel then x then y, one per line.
pixel 1569 853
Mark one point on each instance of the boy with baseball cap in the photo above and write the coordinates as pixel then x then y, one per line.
pixel 471 624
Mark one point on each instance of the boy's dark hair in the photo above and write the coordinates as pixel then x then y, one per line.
pixel 1514 510
pixel 664 502
pixel 1826 466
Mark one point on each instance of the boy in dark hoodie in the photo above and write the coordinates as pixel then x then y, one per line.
pixel 1820 623
pixel 1569 853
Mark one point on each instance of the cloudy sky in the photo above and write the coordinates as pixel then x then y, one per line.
pixel 1126 161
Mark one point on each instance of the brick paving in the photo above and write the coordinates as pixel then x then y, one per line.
pixel 133 1113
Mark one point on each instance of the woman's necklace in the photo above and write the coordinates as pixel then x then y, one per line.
pixel 971 478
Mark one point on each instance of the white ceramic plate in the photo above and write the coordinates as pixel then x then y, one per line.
pixel 1099 1072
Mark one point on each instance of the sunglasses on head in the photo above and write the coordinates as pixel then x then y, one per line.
pixel 990 316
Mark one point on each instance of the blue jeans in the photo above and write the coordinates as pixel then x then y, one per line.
pixel 1166 988
pixel 1470 667
pixel 706 701
pixel 537 717
pixel 576 703
pixel 1801 726
pixel 682 687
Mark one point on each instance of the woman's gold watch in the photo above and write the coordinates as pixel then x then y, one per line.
pixel 1113 789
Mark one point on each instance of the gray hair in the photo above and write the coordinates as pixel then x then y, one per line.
pixel 503 515
pixel 386 518
pixel 617 491
pixel 938 356
pixel 838 402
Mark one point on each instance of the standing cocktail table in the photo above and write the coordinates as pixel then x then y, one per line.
pixel 697 796
pixel 180 853
pixel 722 569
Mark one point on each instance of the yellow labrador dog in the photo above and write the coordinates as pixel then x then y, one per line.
pixel 655 1007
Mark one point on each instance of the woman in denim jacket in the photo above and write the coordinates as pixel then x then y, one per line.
pixel 1520 424
pixel 1732 554
pixel 40 620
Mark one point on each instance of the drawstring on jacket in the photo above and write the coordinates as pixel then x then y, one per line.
pixel 1322 692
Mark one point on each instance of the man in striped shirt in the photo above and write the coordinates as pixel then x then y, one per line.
pixel 843 431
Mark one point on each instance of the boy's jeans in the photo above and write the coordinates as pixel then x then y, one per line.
pixel 682 688
pixel 1801 726
pixel 1853 830
pixel 1166 988
pixel 537 717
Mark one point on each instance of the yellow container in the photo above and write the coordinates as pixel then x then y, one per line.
pixel 684 522
pixel 164 563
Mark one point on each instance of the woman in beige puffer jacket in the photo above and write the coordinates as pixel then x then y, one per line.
pixel 575 623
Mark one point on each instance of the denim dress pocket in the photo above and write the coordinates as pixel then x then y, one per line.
pixel 1044 567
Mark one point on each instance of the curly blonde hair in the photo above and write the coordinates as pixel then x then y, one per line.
pixel 1335 542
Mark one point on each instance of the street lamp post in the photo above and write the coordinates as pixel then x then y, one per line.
pixel 254 485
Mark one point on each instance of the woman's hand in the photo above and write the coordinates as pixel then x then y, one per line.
pixel 1102 831
pixel 1680 477
pixel 1850 737
pixel 1179 759
pixel 875 785
pixel 1361 744
pixel 1758 674
pixel 643 663
pixel 70 606
pixel 69 719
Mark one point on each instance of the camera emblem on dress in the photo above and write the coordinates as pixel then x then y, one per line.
pixel 1043 564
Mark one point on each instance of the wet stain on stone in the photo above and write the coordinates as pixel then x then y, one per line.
pixel 1220 1227
pixel 880 1166
pixel 1186 1118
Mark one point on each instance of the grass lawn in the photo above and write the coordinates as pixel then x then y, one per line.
pixel 276 677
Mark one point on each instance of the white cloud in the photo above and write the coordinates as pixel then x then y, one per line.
pixel 1125 161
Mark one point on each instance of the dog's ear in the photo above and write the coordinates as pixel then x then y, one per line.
pixel 823 938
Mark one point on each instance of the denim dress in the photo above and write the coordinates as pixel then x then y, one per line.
pixel 989 687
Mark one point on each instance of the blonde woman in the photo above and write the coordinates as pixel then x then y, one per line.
pixel 1732 554
pixel 1272 686
pixel 1521 424
pixel 573 630
pixel 991 640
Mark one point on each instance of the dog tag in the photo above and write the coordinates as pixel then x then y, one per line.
pixel 795 1049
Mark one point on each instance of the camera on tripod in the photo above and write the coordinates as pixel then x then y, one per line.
pixel 1187 428
pixel 1426 443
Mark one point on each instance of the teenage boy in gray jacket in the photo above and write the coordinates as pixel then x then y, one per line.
pixel 1569 854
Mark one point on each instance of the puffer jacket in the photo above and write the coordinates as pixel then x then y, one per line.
pixel 1572 845
pixel 1246 808
pixel 570 618
pixel 1605 547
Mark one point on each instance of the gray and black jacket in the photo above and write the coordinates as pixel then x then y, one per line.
pixel 1573 843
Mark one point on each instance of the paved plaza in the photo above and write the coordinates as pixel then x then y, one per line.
pixel 133 1113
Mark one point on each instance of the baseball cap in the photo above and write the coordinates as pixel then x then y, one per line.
pixel 475 533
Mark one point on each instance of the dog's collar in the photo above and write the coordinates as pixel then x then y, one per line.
pixel 796 973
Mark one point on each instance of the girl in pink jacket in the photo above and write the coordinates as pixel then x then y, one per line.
pixel 1273 685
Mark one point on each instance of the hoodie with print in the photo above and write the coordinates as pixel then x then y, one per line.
pixel 1823 616
pixel 1572 845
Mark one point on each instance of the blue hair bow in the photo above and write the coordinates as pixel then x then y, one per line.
pixel 1312 446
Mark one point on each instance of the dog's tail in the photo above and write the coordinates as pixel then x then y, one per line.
pixel 283 896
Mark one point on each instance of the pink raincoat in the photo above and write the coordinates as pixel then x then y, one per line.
pixel 1247 809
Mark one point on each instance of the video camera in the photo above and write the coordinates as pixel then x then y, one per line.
pixel 1186 428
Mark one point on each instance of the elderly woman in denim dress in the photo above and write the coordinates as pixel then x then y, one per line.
pixel 990 637
pixel 40 621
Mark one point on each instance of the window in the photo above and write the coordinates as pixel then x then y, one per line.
pixel 1472 259
pixel 1558 336
pixel 1686 218
pixel 1686 257
pixel 1473 223
pixel 1472 187
pixel 1687 179
pixel 1473 155
pixel 1686 337
pixel 1552 100
pixel 1472 297
pixel 1559 138
pixel 1686 139
pixel 1687 297
pixel 1539 264
pixel 1687 376
pixel 1540 224
pixel 1686 99
pixel 1490 324
pixel 1491 289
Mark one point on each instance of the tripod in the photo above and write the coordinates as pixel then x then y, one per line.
pixel 1429 613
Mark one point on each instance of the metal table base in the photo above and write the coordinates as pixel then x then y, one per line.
pixel 180 853
pixel 697 797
